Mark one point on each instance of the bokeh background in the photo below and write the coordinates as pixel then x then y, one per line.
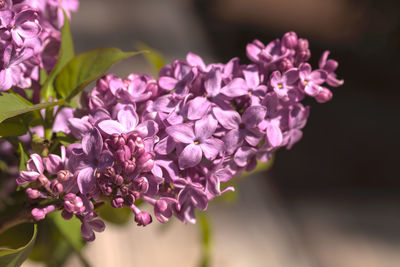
pixel 331 201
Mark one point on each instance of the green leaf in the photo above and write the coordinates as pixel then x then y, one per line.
pixel 85 68
pixel 13 127
pixel 19 125
pixel 154 57
pixel 43 76
pixel 50 247
pixel 23 157
pixel 12 105
pixel 71 229
pixel 15 257
pixel 113 215
pixel 65 54
pixel 65 139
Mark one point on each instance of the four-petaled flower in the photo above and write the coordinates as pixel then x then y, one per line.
pixel 198 140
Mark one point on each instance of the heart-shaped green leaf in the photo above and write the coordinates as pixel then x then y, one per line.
pixel 15 257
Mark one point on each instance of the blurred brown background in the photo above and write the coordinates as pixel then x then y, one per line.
pixel 334 199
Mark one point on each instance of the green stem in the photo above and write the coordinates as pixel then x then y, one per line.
pixel 48 124
pixel 206 237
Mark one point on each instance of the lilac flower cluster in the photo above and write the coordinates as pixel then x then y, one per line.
pixel 171 142
pixel 30 39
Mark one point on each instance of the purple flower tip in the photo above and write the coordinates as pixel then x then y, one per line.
pixel 143 218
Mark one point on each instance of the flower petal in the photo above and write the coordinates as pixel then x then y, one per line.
pixel 190 156
pixel 232 140
pixel 92 143
pixel 128 118
pixel 53 163
pixel 35 164
pixel 252 52
pixel 212 82
pixel 318 76
pixel 243 155
pixel 253 136
pixel 147 129
pixel 111 127
pixel 229 119
pixel 211 147
pixel 274 135
pixel 87 232
pixel 291 76
pixel 105 159
pixel 167 83
pixel 97 225
pixel 181 133
pixel 205 127
pixel 165 146
pixel 252 77
pixel 253 116
pixel 237 87
pixel 79 127
pixel 195 60
pixel 29 29
pixel 27 177
pixel 197 108
pixel 86 180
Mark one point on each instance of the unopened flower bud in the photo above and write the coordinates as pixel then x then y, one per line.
pixel 324 95
pixel 56 187
pixel 153 88
pixel 117 202
pixel 106 189
pixel 102 85
pixel 143 218
pixel 141 184
pixel 118 179
pixel 40 214
pixel 43 180
pixel 129 166
pixel 302 44
pixel 121 155
pixel 130 199
pixel 32 193
pixel 63 175
pixel 285 64
pixel 117 141
pixel 109 172
pixel 139 146
pixel 290 40
pixel 73 203
pixel 146 162
pixel 161 205
pixel 67 215
pixel 131 144
pixel 303 55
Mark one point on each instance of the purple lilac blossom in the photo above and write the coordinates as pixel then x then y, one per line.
pixel 30 39
pixel 174 142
